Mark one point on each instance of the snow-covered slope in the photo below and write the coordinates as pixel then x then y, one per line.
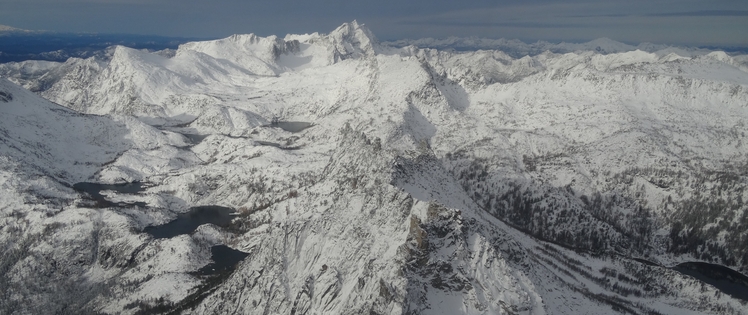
pixel 50 239
pixel 27 73
pixel 429 182
pixel 53 139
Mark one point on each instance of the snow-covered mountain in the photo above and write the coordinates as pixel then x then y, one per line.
pixel 518 49
pixel 18 45
pixel 367 178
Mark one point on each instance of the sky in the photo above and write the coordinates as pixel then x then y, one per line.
pixel 682 22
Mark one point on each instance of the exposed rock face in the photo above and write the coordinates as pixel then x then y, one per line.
pixel 5 97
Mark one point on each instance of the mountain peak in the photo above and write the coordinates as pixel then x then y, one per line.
pixel 607 45
pixel 352 40
pixel 353 25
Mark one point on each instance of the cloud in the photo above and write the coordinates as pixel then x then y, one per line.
pixel 705 13
pixel 519 24
pixel 599 15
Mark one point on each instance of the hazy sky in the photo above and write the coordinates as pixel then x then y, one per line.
pixel 692 22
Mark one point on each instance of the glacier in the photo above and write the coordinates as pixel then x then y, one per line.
pixel 571 180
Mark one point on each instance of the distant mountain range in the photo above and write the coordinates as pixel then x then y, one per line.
pixel 517 48
pixel 18 44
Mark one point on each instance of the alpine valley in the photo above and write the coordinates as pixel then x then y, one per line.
pixel 334 174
